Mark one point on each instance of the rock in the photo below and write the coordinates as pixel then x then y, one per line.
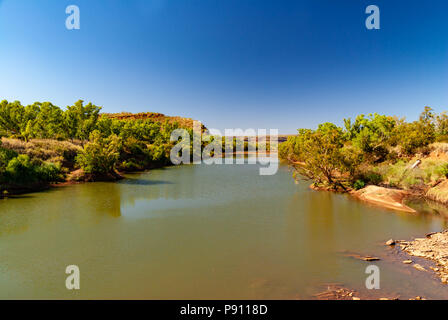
pixel 356 298
pixel 407 261
pixel 390 242
pixel 419 267
pixel 385 197
pixel 434 269
pixel 435 248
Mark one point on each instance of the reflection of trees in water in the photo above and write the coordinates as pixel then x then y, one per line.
pixel 319 210
pixel 81 204
pixel 89 203
pixel 172 183
pixel 100 199
pixel 428 208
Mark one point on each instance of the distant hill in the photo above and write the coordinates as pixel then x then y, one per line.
pixel 159 117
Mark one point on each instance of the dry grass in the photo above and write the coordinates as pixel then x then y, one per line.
pixel 44 149
pixel 401 175
pixel 439 147
pixel 439 193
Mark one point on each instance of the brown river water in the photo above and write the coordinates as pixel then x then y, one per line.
pixel 204 232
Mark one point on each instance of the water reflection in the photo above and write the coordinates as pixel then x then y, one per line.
pixel 190 232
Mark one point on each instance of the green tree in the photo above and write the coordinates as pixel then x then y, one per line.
pixel 49 121
pixel 320 154
pixel 442 127
pixel 416 135
pixel 12 117
pixel 372 135
pixel 100 155
pixel 81 120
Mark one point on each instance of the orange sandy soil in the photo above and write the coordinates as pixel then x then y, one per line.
pixel 384 197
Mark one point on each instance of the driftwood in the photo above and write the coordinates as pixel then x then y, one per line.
pixel 359 256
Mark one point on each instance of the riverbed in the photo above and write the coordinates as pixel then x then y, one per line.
pixel 204 232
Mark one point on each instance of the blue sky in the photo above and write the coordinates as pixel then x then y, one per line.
pixel 229 63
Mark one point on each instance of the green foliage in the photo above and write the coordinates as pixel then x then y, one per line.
pixel 372 135
pixel 359 184
pixel 373 177
pixel 21 170
pixel 48 122
pixel 33 150
pixel 100 155
pixel 81 120
pixel 441 127
pixel 320 153
pixel 413 136
pixel 5 156
pixel 442 170
pixel 331 155
pixel 45 120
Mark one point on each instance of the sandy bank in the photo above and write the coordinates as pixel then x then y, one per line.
pixel 384 197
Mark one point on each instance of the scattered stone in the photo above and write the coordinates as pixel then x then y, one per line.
pixel 434 269
pixel 335 292
pixel 419 267
pixel 434 247
pixel 390 242
pixel 407 261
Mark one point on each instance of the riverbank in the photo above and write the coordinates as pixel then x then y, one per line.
pixel 422 176
pixel 433 247
pixel 74 177
pixel 384 197
pixel 379 196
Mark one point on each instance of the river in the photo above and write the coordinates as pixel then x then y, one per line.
pixel 203 232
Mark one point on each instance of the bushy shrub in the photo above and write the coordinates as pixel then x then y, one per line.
pixel 160 154
pixel 442 170
pixel 414 136
pixel 359 184
pixel 5 156
pixel 100 155
pixel 21 170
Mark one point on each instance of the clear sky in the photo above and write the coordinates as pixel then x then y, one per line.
pixel 229 63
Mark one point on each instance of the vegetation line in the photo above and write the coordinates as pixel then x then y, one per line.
pixel 374 150
pixel 43 144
